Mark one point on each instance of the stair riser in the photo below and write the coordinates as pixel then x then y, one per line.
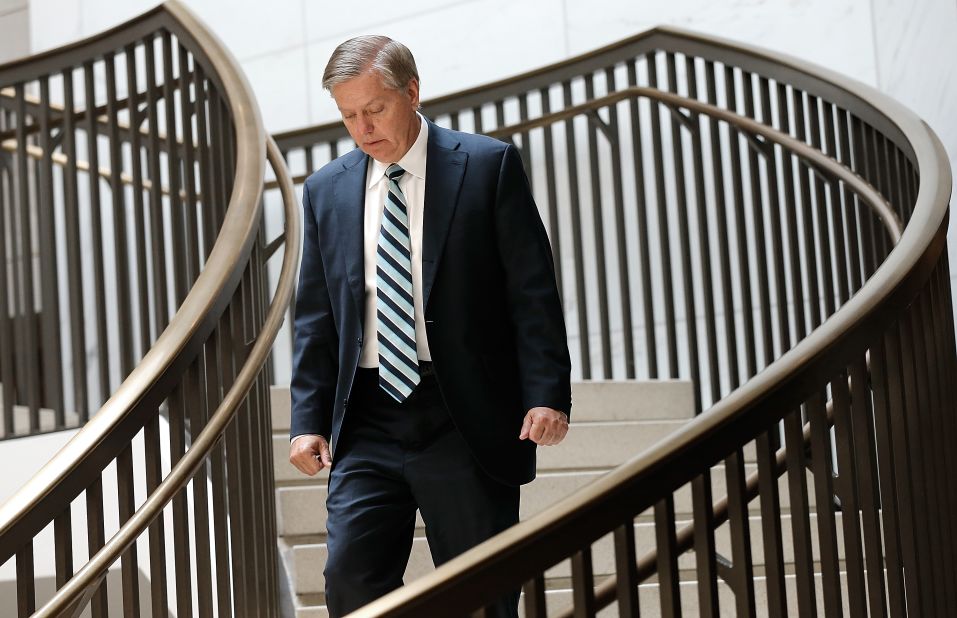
pixel 302 510
pixel 598 400
pixel 587 445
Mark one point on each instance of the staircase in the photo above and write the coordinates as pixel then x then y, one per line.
pixel 611 422
pixel 739 213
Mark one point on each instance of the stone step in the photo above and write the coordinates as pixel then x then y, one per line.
pixel 649 599
pixel 589 444
pixel 301 509
pixel 594 400
pixel 46 419
pixel 306 561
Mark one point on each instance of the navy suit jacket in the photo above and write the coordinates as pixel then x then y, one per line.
pixel 493 314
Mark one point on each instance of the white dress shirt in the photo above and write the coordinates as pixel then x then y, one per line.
pixel 412 184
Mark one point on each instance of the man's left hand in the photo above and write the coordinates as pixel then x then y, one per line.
pixel 544 426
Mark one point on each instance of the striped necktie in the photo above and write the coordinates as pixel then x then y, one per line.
pixel 398 360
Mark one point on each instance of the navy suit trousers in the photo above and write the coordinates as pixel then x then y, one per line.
pixel 392 459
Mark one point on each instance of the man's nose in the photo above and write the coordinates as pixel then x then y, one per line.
pixel 365 125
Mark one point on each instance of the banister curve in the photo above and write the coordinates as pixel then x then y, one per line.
pixel 873 198
pixel 89 575
pixel 530 547
pixel 54 485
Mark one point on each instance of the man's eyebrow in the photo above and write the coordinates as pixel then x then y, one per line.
pixel 367 104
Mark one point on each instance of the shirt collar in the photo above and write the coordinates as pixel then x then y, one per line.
pixel 413 161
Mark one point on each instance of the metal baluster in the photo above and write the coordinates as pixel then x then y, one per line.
pixel 51 352
pixel 721 222
pixel 771 523
pixel 126 507
pixel 583 584
pixel 852 207
pixel 774 221
pixel 598 232
pixel 641 208
pixel 795 270
pixel 63 546
pixel 621 241
pixel 554 229
pixel 758 208
pixel 137 204
pixel 26 580
pixel 847 491
pixel 99 603
pixel 837 220
pixel 820 212
pixel 919 475
pixel 740 228
pixel 664 237
pixel 669 582
pixel 704 246
pixel 156 219
pixel 806 210
pixel 74 256
pixel 575 197
pixel 823 472
pixel 26 310
pixel 196 398
pixel 684 242
pixel 96 238
pixel 887 477
pixel 177 248
pixel 937 332
pixel 913 581
pixel 187 108
pixel 704 546
pixel 157 532
pixel 534 594
pixel 121 274
pixel 926 433
pixel 866 465
pixel 800 524
pixel 741 555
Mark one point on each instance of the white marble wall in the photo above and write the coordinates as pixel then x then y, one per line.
pixel 916 55
pixel 283 45
pixel 14 29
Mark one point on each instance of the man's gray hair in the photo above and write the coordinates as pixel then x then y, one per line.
pixel 391 59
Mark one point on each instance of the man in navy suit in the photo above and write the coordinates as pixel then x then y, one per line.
pixel 430 351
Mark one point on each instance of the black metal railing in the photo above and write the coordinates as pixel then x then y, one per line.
pixel 134 285
pixel 773 232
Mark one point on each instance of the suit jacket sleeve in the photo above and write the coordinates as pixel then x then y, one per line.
pixel 534 303
pixel 314 366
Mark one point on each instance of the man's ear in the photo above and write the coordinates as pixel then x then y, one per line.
pixel 412 90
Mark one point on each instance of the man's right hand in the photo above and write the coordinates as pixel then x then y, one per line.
pixel 310 454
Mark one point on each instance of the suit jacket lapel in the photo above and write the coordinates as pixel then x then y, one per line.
pixel 350 209
pixel 445 168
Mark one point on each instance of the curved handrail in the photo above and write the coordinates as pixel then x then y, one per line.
pixel 561 530
pixel 872 197
pixel 53 486
pixel 88 576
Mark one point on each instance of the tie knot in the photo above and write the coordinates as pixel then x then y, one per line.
pixel 394 172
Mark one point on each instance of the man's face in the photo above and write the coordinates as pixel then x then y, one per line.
pixel 381 120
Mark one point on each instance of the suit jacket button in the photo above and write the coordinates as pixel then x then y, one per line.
pixel 345 402
pixel 359 340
